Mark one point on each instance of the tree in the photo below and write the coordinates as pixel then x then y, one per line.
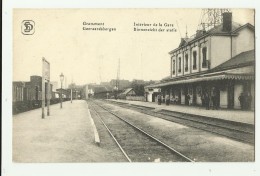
pixel 138 87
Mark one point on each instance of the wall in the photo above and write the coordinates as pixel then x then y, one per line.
pixel 150 97
pixel 135 98
pixel 223 98
pixel 243 42
pixel 220 50
pixel 182 96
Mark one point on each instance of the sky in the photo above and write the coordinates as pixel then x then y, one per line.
pixel 92 56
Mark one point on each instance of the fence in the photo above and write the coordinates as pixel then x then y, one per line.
pixel 135 98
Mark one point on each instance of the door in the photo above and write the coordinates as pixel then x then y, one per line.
pixel 231 95
pixel 154 97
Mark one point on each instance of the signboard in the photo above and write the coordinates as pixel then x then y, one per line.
pixel 45 77
pixel 46 68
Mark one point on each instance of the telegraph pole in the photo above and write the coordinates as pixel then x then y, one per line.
pixel 211 18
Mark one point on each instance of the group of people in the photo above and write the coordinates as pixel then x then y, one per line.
pixel 210 100
pixel 245 99
pixel 207 100
pixel 160 99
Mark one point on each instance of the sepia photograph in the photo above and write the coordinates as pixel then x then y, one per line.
pixel 140 88
pixel 162 91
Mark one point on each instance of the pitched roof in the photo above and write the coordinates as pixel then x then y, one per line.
pixel 242 59
pixel 217 30
pixel 127 91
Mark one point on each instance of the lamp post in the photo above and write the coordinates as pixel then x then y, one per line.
pixel 116 92
pixel 61 80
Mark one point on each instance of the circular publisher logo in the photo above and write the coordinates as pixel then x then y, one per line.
pixel 28 27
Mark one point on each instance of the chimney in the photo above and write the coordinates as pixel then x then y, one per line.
pixel 227 22
pixel 200 33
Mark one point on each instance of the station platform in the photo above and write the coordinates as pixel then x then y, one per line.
pixel 247 117
pixel 64 136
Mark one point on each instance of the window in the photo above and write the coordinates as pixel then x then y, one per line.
pixel 194 60
pixel 179 65
pixel 36 92
pixel 186 62
pixel 173 66
pixel 204 57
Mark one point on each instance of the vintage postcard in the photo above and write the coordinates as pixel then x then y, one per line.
pixel 128 85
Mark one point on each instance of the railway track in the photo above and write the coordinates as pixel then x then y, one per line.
pixel 233 130
pixel 136 144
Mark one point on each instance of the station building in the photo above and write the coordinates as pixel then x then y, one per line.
pixel 221 59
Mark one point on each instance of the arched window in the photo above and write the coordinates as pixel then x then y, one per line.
pixel 179 70
pixel 173 66
pixel 194 60
pixel 186 62
pixel 204 57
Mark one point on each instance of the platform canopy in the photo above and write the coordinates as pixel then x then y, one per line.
pixel 223 76
pixel 245 73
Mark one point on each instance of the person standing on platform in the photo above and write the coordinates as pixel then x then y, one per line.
pixel 177 100
pixel 188 99
pixel 241 99
pixel 167 99
pixel 214 98
pixel 249 98
pixel 159 99
pixel 203 99
pixel 206 99
pixel 163 99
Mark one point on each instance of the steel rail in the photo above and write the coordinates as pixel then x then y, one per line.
pixel 122 150
pixel 192 120
pixel 210 124
pixel 199 122
pixel 149 135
